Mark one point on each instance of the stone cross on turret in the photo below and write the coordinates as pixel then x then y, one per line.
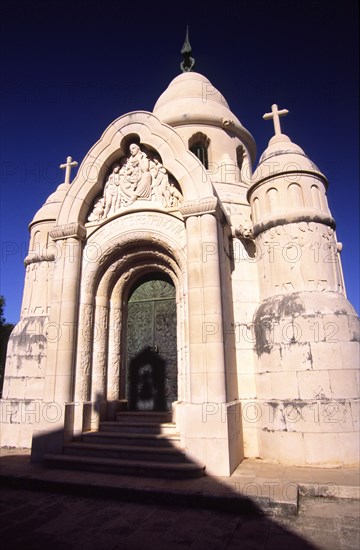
pixel 70 163
pixel 275 115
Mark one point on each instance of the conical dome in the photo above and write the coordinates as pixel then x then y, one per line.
pixel 191 99
pixel 283 156
pixel 51 207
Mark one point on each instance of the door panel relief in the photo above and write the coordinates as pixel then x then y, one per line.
pixel 151 346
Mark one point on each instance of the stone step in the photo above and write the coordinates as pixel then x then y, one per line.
pixel 167 428
pixel 126 452
pixel 129 438
pixel 144 416
pixel 183 470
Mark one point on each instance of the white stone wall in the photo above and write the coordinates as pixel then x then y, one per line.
pixel 21 406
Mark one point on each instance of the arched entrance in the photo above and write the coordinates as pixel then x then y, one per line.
pixel 151 373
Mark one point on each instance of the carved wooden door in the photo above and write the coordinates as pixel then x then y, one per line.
pixel 151 346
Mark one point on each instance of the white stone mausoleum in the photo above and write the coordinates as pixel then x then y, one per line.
pixel 171 276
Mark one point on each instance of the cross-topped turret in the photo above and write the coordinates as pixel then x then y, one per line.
pixel 70 163
pixel 275 115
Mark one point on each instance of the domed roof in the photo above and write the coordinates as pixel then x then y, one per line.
pixel 50 209
pixel 283 156
pixel 191 99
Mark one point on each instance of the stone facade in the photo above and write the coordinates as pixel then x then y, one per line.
pixel 266 344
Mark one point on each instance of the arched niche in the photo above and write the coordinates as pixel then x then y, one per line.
pixel 199 145
pixel 272 200
pixel 295 195
pixel 257 211
pixel 177 159
pixel 315 197
pixel 107 284
pixel 139 175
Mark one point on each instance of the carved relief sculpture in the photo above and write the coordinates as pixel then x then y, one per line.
pixel 137 177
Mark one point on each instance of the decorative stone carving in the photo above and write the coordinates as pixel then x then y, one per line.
pixel 137 177
pixel 83 376
pixel 35 258
pixel 113 386
pixel 75 230
pixel 227 122
pixel 98 211
pixel 202 206
pixel 84 352
pixel 86 327
pixel 283 219
pixel 106 248
pixel 244 233
pixel 299 257
pixel 38 279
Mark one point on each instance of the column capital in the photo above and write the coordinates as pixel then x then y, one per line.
pixel 208 205
pixel 74 230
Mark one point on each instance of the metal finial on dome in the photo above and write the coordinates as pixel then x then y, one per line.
pixel 188 62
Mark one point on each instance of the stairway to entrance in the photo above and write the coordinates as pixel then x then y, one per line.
pixel 137 443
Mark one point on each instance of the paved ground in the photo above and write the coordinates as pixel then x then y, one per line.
pixel 261 506
pixel 36 520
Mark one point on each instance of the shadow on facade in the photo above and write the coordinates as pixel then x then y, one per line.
pixel 255 529
pixel 147 382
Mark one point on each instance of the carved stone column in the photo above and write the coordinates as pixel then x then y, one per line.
pixel 63 313
pixel 98 387
pixel 114 355
pixel 207 373
pixel 57 424
pixel 99 361
pixel 83 371
pixel 213 314
pixel 209 425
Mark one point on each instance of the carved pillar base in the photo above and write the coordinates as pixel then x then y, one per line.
pixel 212 434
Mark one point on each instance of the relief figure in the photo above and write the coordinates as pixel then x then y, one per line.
pixel 135 177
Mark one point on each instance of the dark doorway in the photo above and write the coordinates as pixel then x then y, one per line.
pixel 151 381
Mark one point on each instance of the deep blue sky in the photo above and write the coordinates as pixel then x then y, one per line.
pixel 68 69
